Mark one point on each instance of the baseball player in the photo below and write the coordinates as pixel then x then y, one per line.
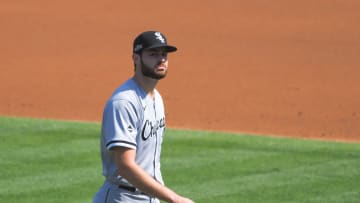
pixel 133 128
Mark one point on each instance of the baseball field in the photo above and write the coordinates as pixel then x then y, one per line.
pixel 58 161
pixel 262 99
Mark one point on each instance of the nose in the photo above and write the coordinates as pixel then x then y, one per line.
pixel 163 58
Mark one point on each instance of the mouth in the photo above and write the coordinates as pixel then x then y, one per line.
pixel 161 67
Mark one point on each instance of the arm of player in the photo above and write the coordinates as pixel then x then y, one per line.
pixel 125 158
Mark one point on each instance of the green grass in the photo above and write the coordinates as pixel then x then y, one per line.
pixel 58 161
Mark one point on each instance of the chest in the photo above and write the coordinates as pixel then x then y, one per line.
pixel 153 122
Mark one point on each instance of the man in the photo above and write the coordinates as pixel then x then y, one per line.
pixel 132 130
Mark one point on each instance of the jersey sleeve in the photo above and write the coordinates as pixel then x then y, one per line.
pixel 119 124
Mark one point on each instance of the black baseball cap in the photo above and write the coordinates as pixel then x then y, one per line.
pixel 151 39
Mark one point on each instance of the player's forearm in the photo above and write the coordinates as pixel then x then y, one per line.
pixel 144 182
pixel 132 172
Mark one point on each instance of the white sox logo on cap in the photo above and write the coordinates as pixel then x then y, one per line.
pixel 159 37
pixel 151 39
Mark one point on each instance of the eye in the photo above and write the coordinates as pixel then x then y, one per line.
pixel 157 53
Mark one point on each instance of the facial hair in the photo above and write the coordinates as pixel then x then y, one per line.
pixel 149 71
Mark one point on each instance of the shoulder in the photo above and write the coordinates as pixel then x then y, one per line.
pixel 128 91
pixel 126 95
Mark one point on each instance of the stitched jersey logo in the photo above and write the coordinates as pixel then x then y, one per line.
pixel 159 37
pixel 150 128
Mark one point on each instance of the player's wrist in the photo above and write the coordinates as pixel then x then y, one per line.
pixel 169 195
pixel 180 199
pixel 173 198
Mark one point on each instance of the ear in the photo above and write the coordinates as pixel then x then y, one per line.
pixel 136 57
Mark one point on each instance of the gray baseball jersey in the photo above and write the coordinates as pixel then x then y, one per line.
pixel 133 120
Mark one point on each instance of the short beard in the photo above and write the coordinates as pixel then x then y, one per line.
pixel 149 71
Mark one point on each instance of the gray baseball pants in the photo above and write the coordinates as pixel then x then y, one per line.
pixel 111 193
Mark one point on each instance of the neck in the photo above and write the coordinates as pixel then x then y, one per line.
pixel 146 83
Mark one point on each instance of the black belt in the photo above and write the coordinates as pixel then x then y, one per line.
pixel 128 188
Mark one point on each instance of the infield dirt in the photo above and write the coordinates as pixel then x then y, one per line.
pixel 286 68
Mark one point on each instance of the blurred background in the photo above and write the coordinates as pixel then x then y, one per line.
pixel 287 68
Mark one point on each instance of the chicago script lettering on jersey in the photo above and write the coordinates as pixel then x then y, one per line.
pixel 150 128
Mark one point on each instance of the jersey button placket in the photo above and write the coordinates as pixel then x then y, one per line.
pixel 156 138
